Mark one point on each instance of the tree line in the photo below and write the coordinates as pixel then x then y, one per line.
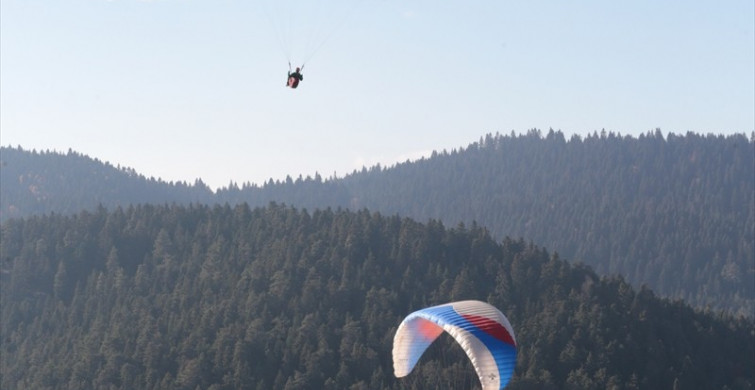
pixel 674 212
pixel 235 297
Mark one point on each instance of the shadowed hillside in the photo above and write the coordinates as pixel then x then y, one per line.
pixel 276 298
pixel 676 213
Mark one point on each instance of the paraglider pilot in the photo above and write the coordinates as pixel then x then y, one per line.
pixel 294 78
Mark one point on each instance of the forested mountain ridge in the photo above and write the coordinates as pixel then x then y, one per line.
pixel 35 183
pixel 170 297
pixel 676 213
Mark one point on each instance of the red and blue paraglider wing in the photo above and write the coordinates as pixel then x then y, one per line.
pixel 483 332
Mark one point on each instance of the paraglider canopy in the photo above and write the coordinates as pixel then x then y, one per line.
pixel 483 332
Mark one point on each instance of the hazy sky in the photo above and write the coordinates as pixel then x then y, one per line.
pixel 186 89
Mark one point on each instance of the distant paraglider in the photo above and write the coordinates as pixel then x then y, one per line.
pixel 303 27
pixel 295 77
pixel 483 332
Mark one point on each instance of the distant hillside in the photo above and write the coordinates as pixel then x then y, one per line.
pixel 676 213
pixel 201 297
pixel 35 183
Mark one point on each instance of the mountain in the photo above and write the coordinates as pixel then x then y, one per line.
pixel 675 213
pixel 35 183
pixel 221 297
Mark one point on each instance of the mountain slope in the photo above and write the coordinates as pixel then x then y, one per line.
pixel 276 298
pixel 35 183
pixel 675 213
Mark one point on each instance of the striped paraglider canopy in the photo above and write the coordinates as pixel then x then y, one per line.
pixel 483 332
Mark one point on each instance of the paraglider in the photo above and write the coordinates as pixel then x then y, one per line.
pixel 483 332
pixel 302 28
pixel 293 78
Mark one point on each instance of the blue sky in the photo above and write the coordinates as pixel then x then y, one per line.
pixel 186 89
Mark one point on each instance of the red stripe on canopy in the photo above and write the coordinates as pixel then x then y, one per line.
pixel 490 327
